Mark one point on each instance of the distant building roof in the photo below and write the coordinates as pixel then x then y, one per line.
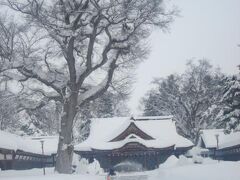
pixel 229 140
pixel 50 143
pixel 208 136
pixel 14 142
pixel 152 132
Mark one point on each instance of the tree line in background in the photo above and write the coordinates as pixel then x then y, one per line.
pixel 201 97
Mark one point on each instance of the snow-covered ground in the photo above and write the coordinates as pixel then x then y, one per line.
pixel 173 170
pixel 37 174
pixel 212 171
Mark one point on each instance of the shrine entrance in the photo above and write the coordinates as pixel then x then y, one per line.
pixel 130 154
pixel 128 166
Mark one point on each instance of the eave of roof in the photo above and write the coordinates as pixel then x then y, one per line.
pixel 149 125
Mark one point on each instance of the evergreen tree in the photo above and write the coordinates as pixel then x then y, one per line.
pixel 230 103
pixel 150 104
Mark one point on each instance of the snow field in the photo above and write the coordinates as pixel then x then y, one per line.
pixel 213 171
pixel 173 169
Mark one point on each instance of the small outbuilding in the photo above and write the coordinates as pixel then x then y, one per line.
pixel 147 141
pixel 217 144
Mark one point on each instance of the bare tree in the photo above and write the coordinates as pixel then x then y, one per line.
pixel 74 47
pixel 8 108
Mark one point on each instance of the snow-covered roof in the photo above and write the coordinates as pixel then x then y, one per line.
pixel 209 137
pixel 28 144
pixel 161 128
pixel 229 140
pixel 12 142
pixel 50 143
pixel 224 140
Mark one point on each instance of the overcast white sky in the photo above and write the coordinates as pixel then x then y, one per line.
pixel 206 29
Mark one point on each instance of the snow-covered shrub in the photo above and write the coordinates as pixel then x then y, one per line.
pixel 184 161
pixel 195 153
pixel 95 168
pixel 84 167
pixel 170 162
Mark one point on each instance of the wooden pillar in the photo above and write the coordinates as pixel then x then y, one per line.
pixel 53 160
pixel 110 160
pixel 145 161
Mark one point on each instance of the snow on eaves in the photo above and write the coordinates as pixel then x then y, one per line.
pixel 225 140
pixel 50 143
pixel 28 144
pixel 229 140
pixel 162 129
pixel 209 137
pixel 9 141
pixel 118 144
pixel 153 118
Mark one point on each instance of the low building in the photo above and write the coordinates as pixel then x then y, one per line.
pixel 217 144
pixel 147 141
pixel 17 152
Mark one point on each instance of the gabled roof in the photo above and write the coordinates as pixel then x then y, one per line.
pixel 162 129
pixel 132 129
pixel 208 136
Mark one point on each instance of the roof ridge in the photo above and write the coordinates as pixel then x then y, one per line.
pixel 142 118
pixel 138 117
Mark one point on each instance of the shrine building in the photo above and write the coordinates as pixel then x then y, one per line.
pixel 147 141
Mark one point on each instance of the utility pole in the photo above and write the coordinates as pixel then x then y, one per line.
pixel 217 138
pixel 43 164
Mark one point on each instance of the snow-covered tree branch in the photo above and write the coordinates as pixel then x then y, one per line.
pixel 76 47
pixel 190 97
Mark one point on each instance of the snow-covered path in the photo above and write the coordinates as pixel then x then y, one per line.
pixel 37 174
pixel 132 177
pixel 211 171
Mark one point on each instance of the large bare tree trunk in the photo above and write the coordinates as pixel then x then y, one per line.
pixel 65 145
pixel 109 37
